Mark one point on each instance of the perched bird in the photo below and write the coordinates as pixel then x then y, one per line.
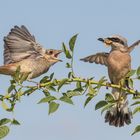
pixel 22 50
pixel 118 62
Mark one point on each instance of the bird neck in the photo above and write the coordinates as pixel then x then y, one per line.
pixel 120 48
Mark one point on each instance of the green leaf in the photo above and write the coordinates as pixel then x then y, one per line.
pixel 100 104
pixel 7 96
pixel 138 77
pixel 45 79
pixel 109 97
pixel 106 107
pixel 70 74
pixel 137 129
pixel 51 88
pixel 130 82
pixel 24 77
pixel 15 122
pixel 88 100
pixel 12 82
pixel 79 90
pixel 135 103
pixel 53 107
pixel 4 130
pixel 68 65
pixel 91 90
pixel 51 76
pixel 47 99
pixel 16 75
pixel 138 71
pixel 72 93
pixel 136 95
pixel 55 82
pixel 29 91
pixel 46 92
pixel 131 73
pixel 137 109
pixel 11 88
pixel 72 42
pixel 62 83
pixel 66 51
pixel 102 80
pixel 66 99
pixel 78 85
pixel 4 105
pixel 4 121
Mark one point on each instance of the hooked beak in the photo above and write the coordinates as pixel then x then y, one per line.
pixel 101 39
pixel 106 41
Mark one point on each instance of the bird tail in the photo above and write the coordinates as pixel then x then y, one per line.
pixel 119 114
pixel 7 69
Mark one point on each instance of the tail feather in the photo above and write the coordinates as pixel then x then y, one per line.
pixel 8 69
pixel 119 114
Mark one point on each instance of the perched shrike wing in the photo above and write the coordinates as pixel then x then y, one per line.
pixel 19 44
pixel 98 58
pixel 132 47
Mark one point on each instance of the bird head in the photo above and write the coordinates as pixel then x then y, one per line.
pixel 115 41
pixel 52 55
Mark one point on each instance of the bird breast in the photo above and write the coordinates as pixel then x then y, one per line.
pixel 35 66
pixel 119 64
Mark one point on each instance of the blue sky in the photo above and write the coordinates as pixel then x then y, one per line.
pixel 53 22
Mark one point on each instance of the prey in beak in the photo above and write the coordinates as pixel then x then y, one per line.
pixel 106 41
pixel 54 54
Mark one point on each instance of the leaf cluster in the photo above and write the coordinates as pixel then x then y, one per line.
pixel 49 84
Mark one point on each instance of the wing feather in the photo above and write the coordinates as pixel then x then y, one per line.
pixel 19 44
pixel 99 58
pixel 130 49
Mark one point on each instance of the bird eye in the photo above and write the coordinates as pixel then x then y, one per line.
pixel 50 52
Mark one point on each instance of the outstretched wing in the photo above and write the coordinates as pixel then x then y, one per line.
pixel 19 44
pixel 133 46
pixel 99 58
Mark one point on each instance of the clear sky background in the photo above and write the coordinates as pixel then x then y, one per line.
pixel 53 22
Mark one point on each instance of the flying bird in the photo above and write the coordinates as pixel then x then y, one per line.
pixel 118 63
pixel 22 50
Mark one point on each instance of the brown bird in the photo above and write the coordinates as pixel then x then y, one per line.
pixel 118 62
pixel 22 50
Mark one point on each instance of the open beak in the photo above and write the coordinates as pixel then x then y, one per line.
pixel 56 54
pixel 106 41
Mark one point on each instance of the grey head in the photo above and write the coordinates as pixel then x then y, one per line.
pixel 116 42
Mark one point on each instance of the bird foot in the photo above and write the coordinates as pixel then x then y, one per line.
pixel 108 85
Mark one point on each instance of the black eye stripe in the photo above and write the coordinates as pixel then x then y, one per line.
pixel 116 40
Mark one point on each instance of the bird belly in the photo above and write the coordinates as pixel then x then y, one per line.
pixel 35 67
pixel 119 65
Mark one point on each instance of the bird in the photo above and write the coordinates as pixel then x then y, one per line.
pixel 22 50
pixel 118 63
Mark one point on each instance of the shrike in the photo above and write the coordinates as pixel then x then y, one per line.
pixel 118 62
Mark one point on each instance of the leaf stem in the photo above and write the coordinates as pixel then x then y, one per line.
pixel 72 70
pixel 93 82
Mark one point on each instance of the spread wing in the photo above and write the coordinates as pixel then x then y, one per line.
pixel 133 45
pixel 99 58
pixel 19 44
